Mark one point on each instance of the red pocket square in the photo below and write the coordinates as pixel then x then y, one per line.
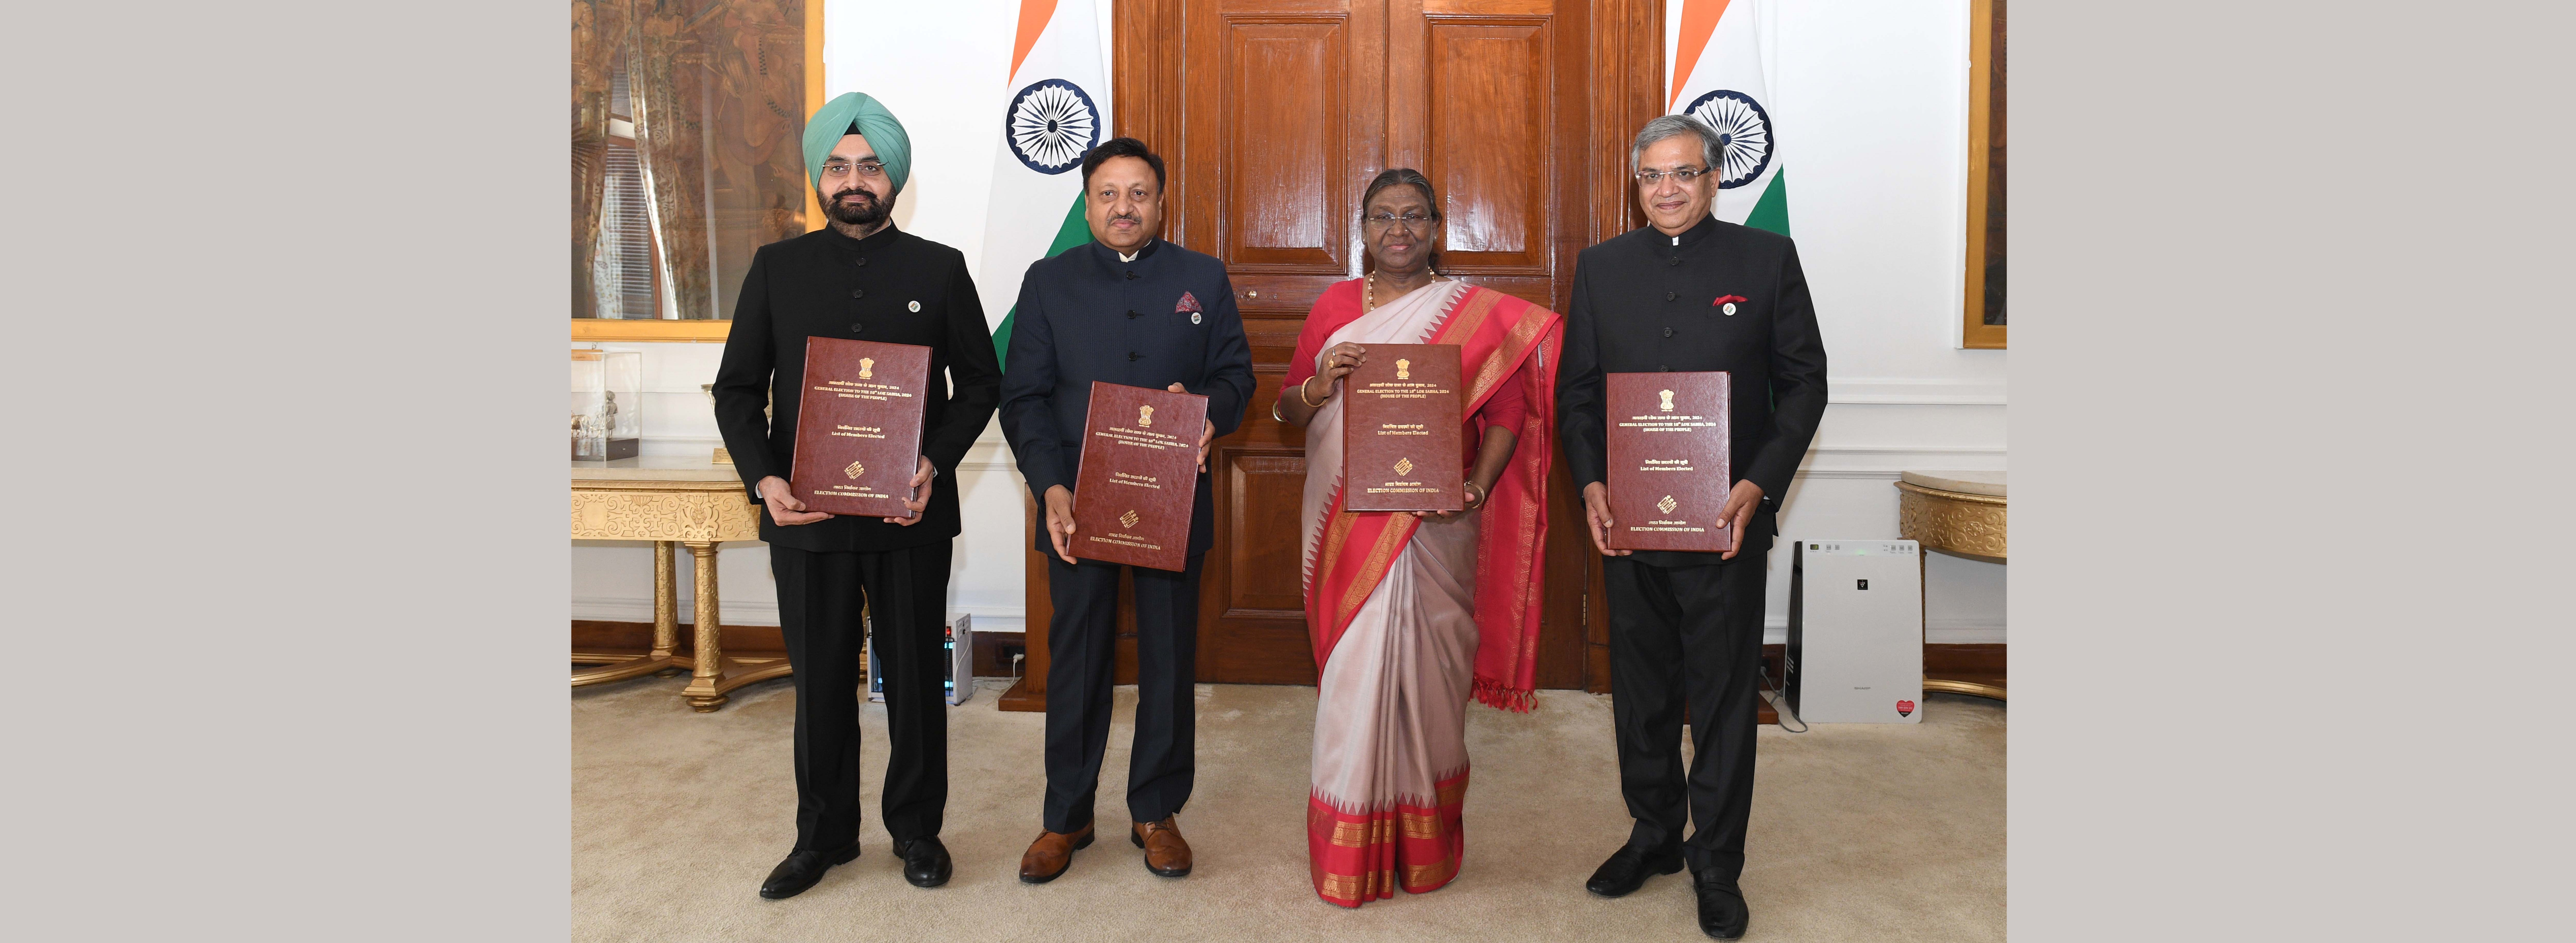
pixel 1727 298
pixel 1189 302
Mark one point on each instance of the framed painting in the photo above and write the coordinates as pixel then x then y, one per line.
pixel 1982 310
pixel 686 115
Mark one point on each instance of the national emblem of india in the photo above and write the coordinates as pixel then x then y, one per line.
pixel 1144 415
pixel 1668 400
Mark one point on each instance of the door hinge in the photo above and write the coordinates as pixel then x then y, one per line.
pixel 1587 612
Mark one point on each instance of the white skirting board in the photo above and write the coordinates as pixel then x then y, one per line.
pixel 988 619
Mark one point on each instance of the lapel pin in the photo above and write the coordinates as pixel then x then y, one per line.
pixel 1726 303
pixel 916 306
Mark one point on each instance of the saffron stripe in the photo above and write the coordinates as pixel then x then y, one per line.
pixel 1034 15
pixel 1699 22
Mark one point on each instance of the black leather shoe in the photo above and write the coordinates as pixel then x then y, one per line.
pixel 801 869
pixel 1722 913
pixel 925 861
pixel 1628 869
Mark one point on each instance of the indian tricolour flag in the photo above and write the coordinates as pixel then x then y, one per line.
pixel 1714 48
pixel 1055 108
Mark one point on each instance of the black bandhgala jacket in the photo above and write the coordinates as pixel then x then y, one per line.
pixel 1084 316
pixel 1646 302
pixel 891 287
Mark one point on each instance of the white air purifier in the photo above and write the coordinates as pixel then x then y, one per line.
pixel 960 654
pixel 1855 653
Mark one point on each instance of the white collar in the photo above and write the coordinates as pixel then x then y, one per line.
pixel 1124 257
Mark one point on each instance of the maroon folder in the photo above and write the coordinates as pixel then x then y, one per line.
pixel 1140 467
pixel 1400 446
pixel 1669 472
pixel 858 426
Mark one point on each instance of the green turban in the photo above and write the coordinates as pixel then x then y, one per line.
pixel 855 113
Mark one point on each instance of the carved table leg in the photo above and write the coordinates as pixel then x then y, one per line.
pixel 706 690
pixel 666 605
pixel 661 663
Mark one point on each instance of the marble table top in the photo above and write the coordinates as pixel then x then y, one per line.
pixel 656 468
pixel 1964 482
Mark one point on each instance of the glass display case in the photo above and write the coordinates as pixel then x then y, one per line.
pixel 607 404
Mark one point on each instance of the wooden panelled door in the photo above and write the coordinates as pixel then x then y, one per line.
pixel 1272 116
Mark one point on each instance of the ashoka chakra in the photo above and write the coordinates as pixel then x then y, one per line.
pixel 1050 125
pixel 1743 133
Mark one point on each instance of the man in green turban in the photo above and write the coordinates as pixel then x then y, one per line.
pixel 872 134
pixel 859 278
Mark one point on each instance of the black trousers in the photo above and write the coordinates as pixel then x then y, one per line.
pixel 1688 636
pixel 1082 648
pixel 819 595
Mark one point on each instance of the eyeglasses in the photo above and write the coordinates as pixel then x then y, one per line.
pixel 1684 175
pixel 1410 220
pixel 866 168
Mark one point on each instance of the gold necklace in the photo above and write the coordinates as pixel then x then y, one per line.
pixel 1368 290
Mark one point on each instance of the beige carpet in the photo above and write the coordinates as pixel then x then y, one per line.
pixel 1860 832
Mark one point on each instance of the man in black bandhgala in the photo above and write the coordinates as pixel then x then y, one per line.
pixel 859 278
pixel 1690 293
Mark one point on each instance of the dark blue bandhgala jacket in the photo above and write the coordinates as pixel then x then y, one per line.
pixel 1083 317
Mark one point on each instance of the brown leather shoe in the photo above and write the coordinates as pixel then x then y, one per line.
pixel 1048 856
pixel 1166 853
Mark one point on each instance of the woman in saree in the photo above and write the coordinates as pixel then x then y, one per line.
pixel 1414 613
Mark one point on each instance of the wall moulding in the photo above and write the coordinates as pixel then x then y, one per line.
pixel 979 458
pixel 1885 461
pixel 1823 461
pixel 1901 391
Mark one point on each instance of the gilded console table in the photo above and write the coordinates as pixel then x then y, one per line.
pixel 671 501
pixel 1958 513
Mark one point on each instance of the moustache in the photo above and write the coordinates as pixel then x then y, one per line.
pixel 863 195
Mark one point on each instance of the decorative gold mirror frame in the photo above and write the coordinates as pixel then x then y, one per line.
pixel 1974 332
pixel 715 331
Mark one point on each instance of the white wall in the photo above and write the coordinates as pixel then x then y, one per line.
pixel 1873 133
pixel 1872 115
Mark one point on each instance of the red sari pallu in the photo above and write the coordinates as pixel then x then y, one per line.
pixel 1412 617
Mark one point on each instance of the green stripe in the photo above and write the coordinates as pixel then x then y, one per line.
pixel 1772 210
pixel 1075 231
